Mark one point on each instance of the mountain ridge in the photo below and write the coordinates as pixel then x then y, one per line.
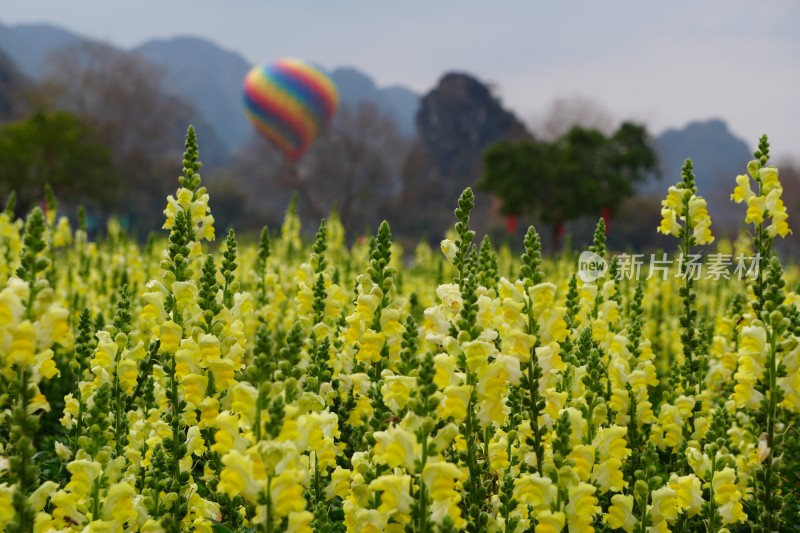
pixel 30 44
pixel 207 75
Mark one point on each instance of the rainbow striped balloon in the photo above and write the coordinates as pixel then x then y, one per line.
pixel 290 102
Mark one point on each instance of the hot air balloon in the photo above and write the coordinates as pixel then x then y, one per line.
pixel 290 102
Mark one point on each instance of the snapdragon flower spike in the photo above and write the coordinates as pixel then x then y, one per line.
pixel 191 198
pixel 264 252
pixel 33 262
pixel 190 177
pixel 10 240
pixel 288 386
pixel 11 204
pixel 765 202
pixel 318 266
pixel 228 270
pixel 599 241
pixel 460 251
pixel 764 368
pixel 290 240
pixel 682 204
pixel 488 276
pixel 207 294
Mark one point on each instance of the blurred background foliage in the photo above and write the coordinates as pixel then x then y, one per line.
pixel 103 126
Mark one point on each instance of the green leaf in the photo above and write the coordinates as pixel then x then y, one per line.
pixel 221 528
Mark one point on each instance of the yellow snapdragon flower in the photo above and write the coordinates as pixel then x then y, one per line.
pixel 583 456
pixel 128 372
pixel 534 490
pixel 299 522
pixel 582 506
pixel 727 496
pixel 550 522
pixel 689 492
pixel 701 221
pixel 767 203
pixel 454 402
pixel 364 520
pixel 84 472
pixel 238 477
pixel 396 390
pixel 608 475
pixel 664 506
pixel 118 504
pixel 611 444
pixel 339 484
pixel 395 493
pixel 287 493
pixel 620 513
pixel 676 209
pixel 395 447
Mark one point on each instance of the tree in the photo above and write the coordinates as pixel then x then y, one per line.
pixel 354 168
pixel 566 113
pixel 12 88
pixel 790 180
pixel 55 148
pixel 119 94
pixel 516 173
pixel 583 172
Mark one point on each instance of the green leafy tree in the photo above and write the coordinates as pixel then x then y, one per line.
pixel 56 148
pixel 516 173
pixel 583 172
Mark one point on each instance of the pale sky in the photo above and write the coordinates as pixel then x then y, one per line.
pixel 664 63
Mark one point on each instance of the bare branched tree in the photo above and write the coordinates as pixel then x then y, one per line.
pixel 354 168
pixel 120 95
pixel 565 113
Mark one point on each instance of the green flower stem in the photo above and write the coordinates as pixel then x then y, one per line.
pixel 642 525
pixel 772 371
pixel 22 464
pixel 96 497
pixel 533 391
pixel 713 520
pixel 268 525
pixel 317 497
pixel 474 500
pixel 632 427
pixel 422 495
pixel 689 379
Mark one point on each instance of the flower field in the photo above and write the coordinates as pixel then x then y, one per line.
pixel 291 386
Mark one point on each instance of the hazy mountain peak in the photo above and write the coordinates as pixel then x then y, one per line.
pixel 717 156
pixel 709 130
pixel 29 45
pixel 357 82
pixel 458 120
pixel 208 76
pixel 396 101
pixel 191 48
